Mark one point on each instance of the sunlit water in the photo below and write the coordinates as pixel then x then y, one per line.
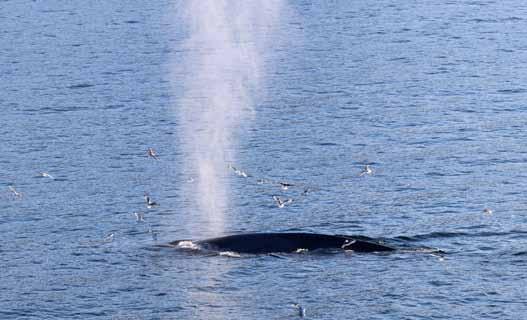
pixel 432 96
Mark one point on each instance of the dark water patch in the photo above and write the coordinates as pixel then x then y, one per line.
pixel 54 11
pixel 401 41
pixel 113 106
pixel 403 59
pixel 512 91
pixel 81 86
pixel 125 70
pixel 60 75
pixel 511 19
pixel 369 83
pixel 482 20
pixel 440 71
pixel 327 144
pixel 442 235
pixel 18 313
pixel 52 110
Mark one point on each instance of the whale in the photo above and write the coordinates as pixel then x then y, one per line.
pixel 286 242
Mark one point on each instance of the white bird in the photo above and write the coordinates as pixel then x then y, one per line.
pixel 108 238
pixel 238 171
pixel 46 175
pixel 281 203
pixel 152 153
pixel 487 211
pixel 301 310
pixel 367 170
pixel 16 193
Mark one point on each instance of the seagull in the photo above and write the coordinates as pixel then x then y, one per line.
pixel 139 216
pixel 238 171
pixel 16 193
pixel 301 310
pixel 367 170
pixel 149 203
pixel 152 153
pixel 285 185
pixel 281 203
pixel 242 173
pixel 487 211
pixel 108 238
pixel 306 191
pixel 46 175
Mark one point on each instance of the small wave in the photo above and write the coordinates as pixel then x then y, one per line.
pixel 327 144
pixel 113 106
pixel 511 91
pixel 80 86
pixel 426 250
pixel 48 110
pixel 482 20
pixel 439 235
pixel 511 19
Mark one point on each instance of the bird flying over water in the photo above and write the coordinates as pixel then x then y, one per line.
pixel 239 172
pixel 46 175
pixel 285 185
pixel 367 170
pixel 149 202
pixel 15 193
pixel 108 238
pixel 301 310
pixel 281 203
pixel 152 153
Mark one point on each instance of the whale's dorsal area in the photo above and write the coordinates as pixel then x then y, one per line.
pixel 258 243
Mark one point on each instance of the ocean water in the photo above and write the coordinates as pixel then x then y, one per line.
pixel 430 95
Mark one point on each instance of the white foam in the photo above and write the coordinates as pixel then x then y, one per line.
pixel 187 244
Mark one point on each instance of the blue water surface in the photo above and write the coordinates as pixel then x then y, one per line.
pixel 431 94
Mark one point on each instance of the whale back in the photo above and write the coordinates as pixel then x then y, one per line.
pixel 289 242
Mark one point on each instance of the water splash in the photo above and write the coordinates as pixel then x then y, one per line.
pixel 220 75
